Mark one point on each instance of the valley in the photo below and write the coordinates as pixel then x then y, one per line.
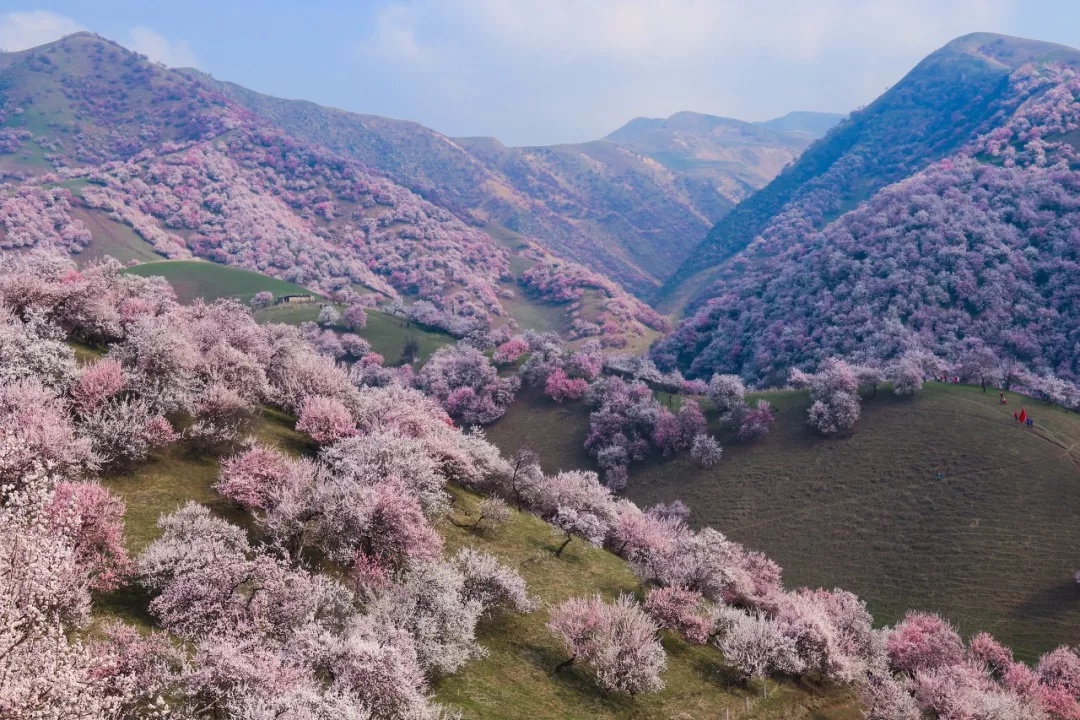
pixel 310 414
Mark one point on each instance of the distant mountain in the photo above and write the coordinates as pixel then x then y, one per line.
pixel 615 205
pixel 942 104
pixel 810 124
pixel 734 157
pixel 944 216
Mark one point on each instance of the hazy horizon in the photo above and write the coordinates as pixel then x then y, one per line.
pixel 536 73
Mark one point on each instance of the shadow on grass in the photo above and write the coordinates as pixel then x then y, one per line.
pixel 1050 602
pixel 130 603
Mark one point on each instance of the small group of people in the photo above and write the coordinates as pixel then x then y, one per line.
pixel 955 380
pixel 1022 417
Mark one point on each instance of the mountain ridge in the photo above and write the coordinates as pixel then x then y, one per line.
pixel 624 214
pixel 937 107
pixel 940 222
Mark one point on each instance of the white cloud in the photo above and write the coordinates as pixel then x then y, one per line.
pixel 159 48
pixel 548 70
pixel 681 28
pixel 22 30
pixel 394 36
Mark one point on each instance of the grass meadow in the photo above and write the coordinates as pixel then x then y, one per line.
pixel 516 680
pixel 993 545
pixel 210 281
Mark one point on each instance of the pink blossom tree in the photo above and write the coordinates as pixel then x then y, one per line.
pixel 923 641
pixel 757 422
pixel 726 392
pixel 681 611
pixel 91 519
pixel 262 299
pixel 355 317
pixel 756 647
pixel 325 419
pixel 97 384
pixel 617 641
pixel 560 387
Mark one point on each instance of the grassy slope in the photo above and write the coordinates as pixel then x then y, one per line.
pixel 386 333
pixel 515 679
pixel 195 278
pixel 992 546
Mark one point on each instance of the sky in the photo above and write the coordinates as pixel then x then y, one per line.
pixel 533 72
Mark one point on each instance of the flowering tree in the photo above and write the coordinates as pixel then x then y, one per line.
pixel 756 646
pixel 620 426
pixel 222 416
pixel 36 433
pixel 355 317
pixel 255 478
pixel 262 299
pixel 510 351
pixel 680 610
pixel 43 594
pixel 834 390
pixel 328 315
pixel 467 385
pixel 97 384
pixel 576 504
pixel 757 422
pixel 618 641
pixel 325 419
pixel 91 519
pixel 922 642
pixel 979 365
pixel 705 450
pixel 560 387
pixel 726 392
pixel 495 586
pixel 124 432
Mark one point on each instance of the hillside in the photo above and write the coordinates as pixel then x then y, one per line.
pixel 944 103
pixel 117 155
pixel 618 206
pixel 970 251
pixel 983 546
pixel 216 547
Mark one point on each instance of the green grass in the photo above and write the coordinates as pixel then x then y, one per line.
pixel 196 279
pixel 199 279
pixel 167 482
pixel 516 679
pixel 993 546
pixel 386 333
pixel 111 238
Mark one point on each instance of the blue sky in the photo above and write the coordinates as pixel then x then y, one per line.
pixel 547 71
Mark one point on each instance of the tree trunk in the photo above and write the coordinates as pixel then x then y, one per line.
pixel 569 537
pixel 565 664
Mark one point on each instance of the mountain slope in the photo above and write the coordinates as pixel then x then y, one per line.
pixel 573 200
pixel 102 139
pixel 621 209
pixel 931 113
pixel 974 251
